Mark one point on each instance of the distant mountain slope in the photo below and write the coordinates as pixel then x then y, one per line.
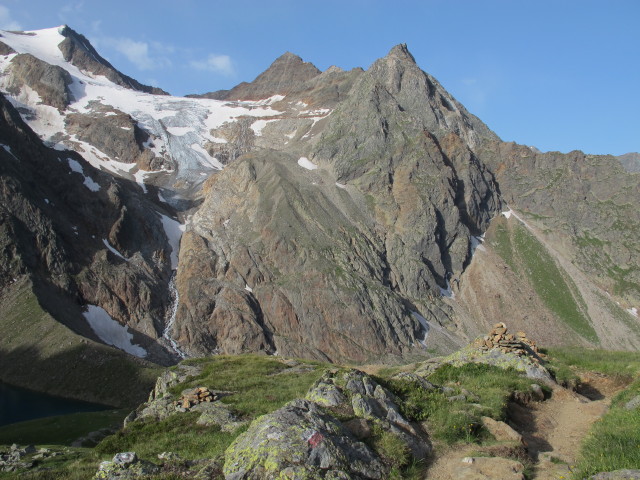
pixel 630 162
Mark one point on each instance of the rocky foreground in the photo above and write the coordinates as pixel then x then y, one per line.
pixel 476 414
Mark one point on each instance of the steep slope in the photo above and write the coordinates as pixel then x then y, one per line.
pixel 83 238
pixel 284 76
pixel 630 162
pixel 346 258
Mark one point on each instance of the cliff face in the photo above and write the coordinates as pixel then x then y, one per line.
pixel 58 215
pixel 340 254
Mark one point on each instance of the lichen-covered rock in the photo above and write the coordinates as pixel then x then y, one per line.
pixel 497 358
pixel 324 392
pixel 301 441
pixel 217 413
pixel 374 404
pixel 125 466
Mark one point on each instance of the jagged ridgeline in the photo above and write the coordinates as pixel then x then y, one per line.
pixel 337 215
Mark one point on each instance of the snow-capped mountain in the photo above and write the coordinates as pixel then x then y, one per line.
pixel 343 215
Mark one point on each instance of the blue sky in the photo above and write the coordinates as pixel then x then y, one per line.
pixel 556 74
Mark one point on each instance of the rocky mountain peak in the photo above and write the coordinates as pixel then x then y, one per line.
pixel 401 52
pixel 77 50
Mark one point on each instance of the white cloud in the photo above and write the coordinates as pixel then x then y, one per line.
pixel 6 22
pixel 214 63
pixel 136 52
pixel 142 54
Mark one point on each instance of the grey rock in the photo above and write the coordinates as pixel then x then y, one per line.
pixel 537 391
pixel 633 403
pixel 327 394
pixel 51 82
pixel 301 438
pixel 618 475
pixel 77 50
pixel 217 413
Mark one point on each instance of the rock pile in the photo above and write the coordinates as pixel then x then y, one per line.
pixel 517 343
pixel 193 397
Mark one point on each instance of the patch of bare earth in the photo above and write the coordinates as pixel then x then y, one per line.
pixel 552 430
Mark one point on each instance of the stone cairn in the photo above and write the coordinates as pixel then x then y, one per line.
pixel 517 343
pixel 193 397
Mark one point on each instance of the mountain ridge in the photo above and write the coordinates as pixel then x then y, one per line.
pixel 335 215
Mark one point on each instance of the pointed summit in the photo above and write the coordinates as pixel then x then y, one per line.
pixel 286 74
pixel 401 52
pixel 77 50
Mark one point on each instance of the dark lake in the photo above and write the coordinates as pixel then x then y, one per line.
pixel 18 404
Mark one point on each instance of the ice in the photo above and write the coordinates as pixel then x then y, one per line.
pixel 167 119
pixel 174 230
pixel 91 184
pixel 180 131
pixel 113 250
pixel 111 332
pixel 304 162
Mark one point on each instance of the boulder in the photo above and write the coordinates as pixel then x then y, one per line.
pixel 301 441
pixel 501 431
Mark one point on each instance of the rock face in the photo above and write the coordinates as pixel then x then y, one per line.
pixel 303 440
pixel 630 162
pixel 61 222
pixel 338 258
pixel 78 51
pixel 51 82
pixel 299 440
pixel 286 74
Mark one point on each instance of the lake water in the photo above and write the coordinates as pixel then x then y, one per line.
pixel 19 404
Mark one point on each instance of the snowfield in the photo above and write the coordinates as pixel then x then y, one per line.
pixel 179 127
pixel 111 332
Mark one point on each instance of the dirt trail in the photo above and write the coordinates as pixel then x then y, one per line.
pixel 553 430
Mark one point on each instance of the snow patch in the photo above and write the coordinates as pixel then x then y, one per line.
pixel 173 230
pixel 113 250
pixel 304 162
pixel 507 214
pixel 447 292
pixel 476 244
pixel 425 325
pixel 8 149
pixel 341 185
pixel 633 311
pixel 259 125
pixel 75 166
pixel 111 332
pixel 179 131
pixel 270 100
pixel 248 288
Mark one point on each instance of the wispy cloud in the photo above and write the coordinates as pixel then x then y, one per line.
pixel 215 63
pixel 144 55
pixel 70 9
pixel 6 20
